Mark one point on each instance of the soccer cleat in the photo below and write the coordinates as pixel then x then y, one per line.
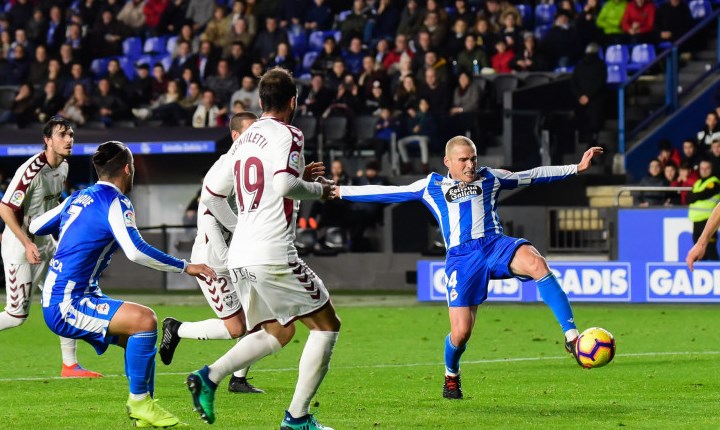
pixel 77 371
pixel 308 422
pixel 170 339
pixel 571 347
pixel 203 394
pixel 241 385
pixel 451 388
pixel 147 413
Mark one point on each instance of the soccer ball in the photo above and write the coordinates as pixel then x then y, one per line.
pixel 595 347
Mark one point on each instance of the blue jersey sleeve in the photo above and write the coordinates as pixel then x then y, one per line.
pixel 121 217
pixel 49 222
pixel 510 180
pixel 384 193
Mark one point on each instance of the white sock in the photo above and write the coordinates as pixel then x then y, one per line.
pixel 313 367
pixel 242 373
pixel 247 351
pixel 204 330
pixel 68 347
pixel 571 334
pixel 9 321
pixel 138 396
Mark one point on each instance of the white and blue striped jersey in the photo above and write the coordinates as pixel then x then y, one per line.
pixel 91 224
pixel 464 211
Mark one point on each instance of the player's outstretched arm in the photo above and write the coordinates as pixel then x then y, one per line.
pixel 200 270
pixel 383 193
pixel 584 164
pixel 698 250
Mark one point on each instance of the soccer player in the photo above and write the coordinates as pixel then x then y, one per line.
pixel 267 171
pixel 465 205
pixel 35 189
pixel 210 247
pixel 91 224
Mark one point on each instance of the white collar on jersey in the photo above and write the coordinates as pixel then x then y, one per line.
pixel 109 184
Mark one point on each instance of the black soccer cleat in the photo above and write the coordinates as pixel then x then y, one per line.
pixel 170 339
pixel 571 347
pixel 241 385
pixel 451 388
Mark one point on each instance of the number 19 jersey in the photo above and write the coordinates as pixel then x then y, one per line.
pixel 265 229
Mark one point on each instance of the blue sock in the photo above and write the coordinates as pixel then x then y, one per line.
pixel 151 379
pixel 452 356
pixel 139 356
pixel 557 300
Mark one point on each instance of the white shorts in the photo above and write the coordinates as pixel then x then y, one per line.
pixel 19 280
pixel 222 295
pixel 281 292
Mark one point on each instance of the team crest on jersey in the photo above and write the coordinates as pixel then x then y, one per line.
pixel 231 300
pixel 17 198
pixel 453 295
pixel 294 160
pixel 462 192
pixel 129 217
pixel 103 308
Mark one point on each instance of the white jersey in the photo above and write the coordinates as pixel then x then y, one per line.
pixel 265 229
pixel 34 190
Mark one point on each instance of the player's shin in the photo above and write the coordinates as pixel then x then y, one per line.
pixel 68 348
pixel 314 364
pixel 204 330
pixel 553 296
pixel 452 356
pixel 139 354
pixel 247 351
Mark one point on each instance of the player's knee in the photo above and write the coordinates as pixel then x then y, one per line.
pixel 537 267
pixel 147 320
pixel 235 331
pixel 460 335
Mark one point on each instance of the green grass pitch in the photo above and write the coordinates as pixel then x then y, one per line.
pixel 387 373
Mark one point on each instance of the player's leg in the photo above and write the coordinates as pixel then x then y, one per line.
pixel 528 262
pixel 136 328
pixel 18 288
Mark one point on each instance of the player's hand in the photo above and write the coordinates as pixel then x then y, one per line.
pixel 329 188
pixel 201 271
pixel 337 192
pixel 695 254
pixel 313 171
pixel 584 164
pixel 32 254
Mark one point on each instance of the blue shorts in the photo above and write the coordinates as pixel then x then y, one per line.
pixel 86 317
pixel 471 265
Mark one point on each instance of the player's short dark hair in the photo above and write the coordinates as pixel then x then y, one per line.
pixel 238 118
pixel 110 158
pixel 276 89
pixel 53 122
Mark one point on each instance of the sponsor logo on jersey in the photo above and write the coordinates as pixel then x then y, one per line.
pixel 668 282
pixel 103 308
pixel 56 265
pixel 129 217
pixel 294 160
pixel 17 198
pixel 453 295
pixel 462 192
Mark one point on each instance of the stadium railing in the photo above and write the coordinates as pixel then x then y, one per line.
pixel 623 190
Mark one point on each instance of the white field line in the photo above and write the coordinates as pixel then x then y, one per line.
pixel 385 366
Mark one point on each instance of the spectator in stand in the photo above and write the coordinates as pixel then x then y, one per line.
pixel 411 19
pixel 319 17
pixel 465 106
pixel 208 114
pixel 655 178
pixel 485 37
pixel 406 96
pixel 569 7
pixel 353 56
pixel 672 20
pixel 50 104
pixel 257 69
pixel 588 87
pixel 385 127
pixel 188 35
pixel 138 92
pixel 291 14
pixel 22 110
pixel 370 74
pixel 241 11
pixel 37 26
pixel 512 31
pixel 248 95
pixel 116 76
pixel 38 70
pixel 78 107
pixel 493 13
pixel 436 29
pixel 182 59
pixel 18 67
pixel 404 68
pixel 362 216
pixel 20 12
pixel 464 12
pixel 223 83
pixel 349 98
pixel 218 29
pixel 433 61
pixel 670 171
pixel 354 23
pixel 437 95
pixel 133 16
pixel 610 19
pixel 667 153
pixel 107 106
pixel 586 23
pixel 5 42
pixel 268 39
pixel 401 49
pixel 690 155
pixel 114 6
pixel 421 129
pixel 387 18
pixel 316 98
pixel 638 21
pixel 22 40
pixel 382 49
pixel 375 100
pixel 324 60
pixel 159 81
pixel 687 177
pixel 200 12
pixel 55 30
pixel 472 58
pixel 714 156
pixel 710 132
pixel 282 57
pixel 77 76
pixel 433 6
pixel 238 60
pixel 336 76
pixel 702 200
pixel 239 32
pixel 153 11
pixel 191 100
pixel 166 108
pixel 529 58
pixel 79 47
pixel 56 74
pixel 422 45
pixel 105 37
pixel 207 60
pixel 561 44
pixel 503 56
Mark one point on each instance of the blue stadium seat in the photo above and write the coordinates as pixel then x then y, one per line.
pixel 166 61
pixel 155 45
pixel 127 64
pixel 617 54
pixel 343 15
pixel 545 14
pixel 642 55
pixel 308 60
pixel 132 47
pixel 541 31
pixel 171 44
pixel 315 41
pixel 699 9
pixel 98 67
pixel 567 69
pixel 526 14
pixel 298 42
pixel 616 73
